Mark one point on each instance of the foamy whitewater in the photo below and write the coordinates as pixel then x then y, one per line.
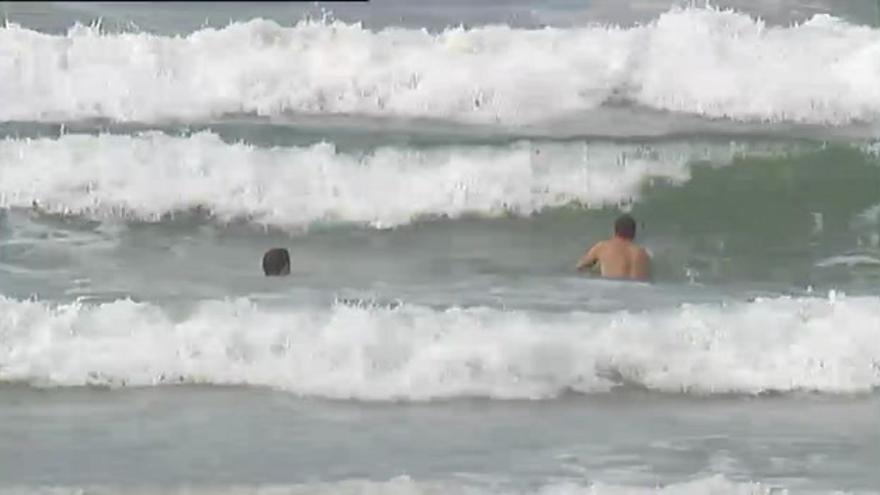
pixel 710 62
pixel 406 486
pixel 150 175
pixel 436 169
pixel 415 353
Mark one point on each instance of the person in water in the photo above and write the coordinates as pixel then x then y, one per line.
pixel 276 262
pixel 619 257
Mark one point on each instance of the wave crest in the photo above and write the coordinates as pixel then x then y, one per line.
pixel 145 177
pixel 696 60
pixel 416 353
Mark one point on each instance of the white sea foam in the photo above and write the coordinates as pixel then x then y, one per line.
pixel 147 176
pixel 849 260
pixel 404 485
pixel 870 215
pixel 696 60
pixel 417 353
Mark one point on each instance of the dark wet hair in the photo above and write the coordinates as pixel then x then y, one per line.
pixel 625 226
pixel 276 261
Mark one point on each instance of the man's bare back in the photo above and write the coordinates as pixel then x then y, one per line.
pixel 619 257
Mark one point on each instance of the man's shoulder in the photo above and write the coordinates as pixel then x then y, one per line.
pixel 600 246
pixel 634 250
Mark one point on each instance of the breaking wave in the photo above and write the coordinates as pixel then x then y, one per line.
pixel 704 61
pixel 410 352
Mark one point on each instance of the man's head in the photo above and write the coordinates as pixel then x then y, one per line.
pixel 625 227
pixel 276 262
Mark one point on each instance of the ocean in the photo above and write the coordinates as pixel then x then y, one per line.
pixel 435 169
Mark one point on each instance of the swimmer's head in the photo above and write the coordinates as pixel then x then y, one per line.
pixel 625 227
pixel 276 262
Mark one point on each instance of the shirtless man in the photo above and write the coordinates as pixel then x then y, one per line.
pixel 619 257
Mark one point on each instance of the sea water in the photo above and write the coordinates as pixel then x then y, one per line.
pixel 436 169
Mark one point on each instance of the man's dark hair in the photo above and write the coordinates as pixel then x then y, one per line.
pixel 625 227
pixel 276 261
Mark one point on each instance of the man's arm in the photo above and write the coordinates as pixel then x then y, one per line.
pixel 590 258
